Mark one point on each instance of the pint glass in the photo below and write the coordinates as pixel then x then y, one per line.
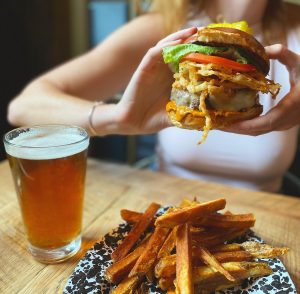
pixel 48 164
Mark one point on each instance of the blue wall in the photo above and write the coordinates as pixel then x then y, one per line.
pixel 106 17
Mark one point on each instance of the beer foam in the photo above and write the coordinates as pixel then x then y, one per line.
pixel 40 144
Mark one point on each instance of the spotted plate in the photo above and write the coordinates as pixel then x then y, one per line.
pixel 88 276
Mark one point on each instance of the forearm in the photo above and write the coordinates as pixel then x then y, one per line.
pixel 42 103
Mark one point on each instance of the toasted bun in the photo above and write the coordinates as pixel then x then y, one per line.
pixel 195 120
pixel 230 36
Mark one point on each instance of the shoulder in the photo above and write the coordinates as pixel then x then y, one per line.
pixel 147 29
pixel 148 21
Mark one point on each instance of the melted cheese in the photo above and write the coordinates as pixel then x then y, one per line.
pixel 241 99
pixel 182 111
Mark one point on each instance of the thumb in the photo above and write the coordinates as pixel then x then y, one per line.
pixel 283 54
pixel 287 57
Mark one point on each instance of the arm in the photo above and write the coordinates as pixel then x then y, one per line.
pixel 65 94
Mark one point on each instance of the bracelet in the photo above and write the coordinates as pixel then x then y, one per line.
pixel 90 118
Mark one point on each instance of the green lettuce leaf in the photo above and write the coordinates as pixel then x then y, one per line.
pixel 173 54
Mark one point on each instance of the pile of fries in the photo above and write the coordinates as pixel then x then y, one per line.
pixel 187 250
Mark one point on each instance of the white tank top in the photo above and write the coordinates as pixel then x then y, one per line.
pixel 256 163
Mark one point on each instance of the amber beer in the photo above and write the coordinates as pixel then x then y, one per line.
pixel 48 165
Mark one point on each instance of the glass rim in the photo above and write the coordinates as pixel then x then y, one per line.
pixel 6 141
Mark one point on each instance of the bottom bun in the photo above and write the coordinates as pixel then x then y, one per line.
pixel 195 120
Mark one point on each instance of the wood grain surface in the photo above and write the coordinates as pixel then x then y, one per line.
pixel 111 187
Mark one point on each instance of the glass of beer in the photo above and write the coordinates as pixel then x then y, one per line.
pixel 48 165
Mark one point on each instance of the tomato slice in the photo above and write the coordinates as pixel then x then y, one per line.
pixel 202 58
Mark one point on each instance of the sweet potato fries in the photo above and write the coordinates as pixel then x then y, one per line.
pixel 188 250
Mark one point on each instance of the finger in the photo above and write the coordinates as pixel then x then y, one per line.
pixel 165 121
pixel 154 56
pixel 170 43
pixel 257 126
pixel 192 38
pixel 241 132
pixel 283 54
pixel 183 34
pixel 243 129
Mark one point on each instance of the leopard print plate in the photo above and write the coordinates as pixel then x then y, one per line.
pixel 88 276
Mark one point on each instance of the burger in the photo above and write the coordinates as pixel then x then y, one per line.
pixel 219 73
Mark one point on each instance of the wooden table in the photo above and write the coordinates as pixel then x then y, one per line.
pixel 109 188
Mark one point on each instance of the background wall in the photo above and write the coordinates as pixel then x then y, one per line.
pixel 35 35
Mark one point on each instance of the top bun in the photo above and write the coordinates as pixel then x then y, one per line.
pixel 231 36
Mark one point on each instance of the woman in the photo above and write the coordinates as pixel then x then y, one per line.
pixel 66 94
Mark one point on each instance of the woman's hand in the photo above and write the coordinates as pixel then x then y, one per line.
pixel 286 114
pixel 142 107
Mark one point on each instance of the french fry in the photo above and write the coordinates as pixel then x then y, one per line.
pixel 226 248
pixel 266 251
pixel 239 270
pixel 227 256
pixel 146 261
pixel 135 233
pixel 119 270
pixel 260 250
pixel 184 271
pixel 251 248
pixel 211 261
pixel 127 286
pixel 168 245
pixel 133 217
pixel 166 266
pixel 228 221
pixel 189 214
pixel 130 216
pixel 217 238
